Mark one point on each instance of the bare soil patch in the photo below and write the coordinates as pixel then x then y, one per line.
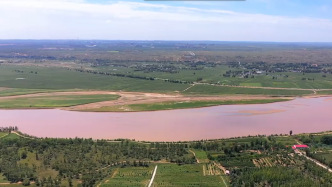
pixel 3 88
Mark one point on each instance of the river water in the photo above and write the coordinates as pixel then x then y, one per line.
pixel 299 115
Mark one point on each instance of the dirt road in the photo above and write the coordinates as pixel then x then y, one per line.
pixel 194 156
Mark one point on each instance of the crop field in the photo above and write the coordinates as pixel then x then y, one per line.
pixel 177 105
pixel 287 141
pixel 54 78
pixel 326 155
pixel 18 91
pixel 129 177
pixel 58 79
pixel 238 162
pixel 201 156
pixel 3 134
pixel 11 136
pixel 211 169
pixel 54 101
pixel 274 160
pixel 215 75
pixel 326 92
pixel 186 176
pixel 222 90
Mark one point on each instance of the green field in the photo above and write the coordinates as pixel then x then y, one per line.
pixel 327 155
pixel 18 91
pixel 51 78
pixel 11 136
pixel 252 84
pixel 222 90
pixel 326 92
pixel 3 134
pixel 214 75
pixel 185 175
pixel 177 105
pixel 129 177
pixel 201 156
pixel 59 79
pixel 287 141
pixel 54 101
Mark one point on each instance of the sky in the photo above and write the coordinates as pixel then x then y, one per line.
pixel 249 20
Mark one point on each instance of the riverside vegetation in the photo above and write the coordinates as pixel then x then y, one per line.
pixel 252 161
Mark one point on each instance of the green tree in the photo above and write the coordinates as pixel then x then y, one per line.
pixel 26 182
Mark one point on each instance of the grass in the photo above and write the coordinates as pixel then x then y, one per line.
pixel 3 134
pixel 251 84
pixel 201 156
pixel 177 105
pixel 185 175
pixel 222 90
pixel 54 101
pixel 3 179
pixel 11 136
pixel 215 74
pixel 326 155
pixel 51 78
pixel 58 79
pixel 287 141
pixel 18 91
pixel 325 92
pixel 130 177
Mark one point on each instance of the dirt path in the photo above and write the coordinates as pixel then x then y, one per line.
pixel 4 135
pixel 188 88
pixel 112 176
pixel 224 181
pixel 194 156
pixel 220 167
pixel 14 132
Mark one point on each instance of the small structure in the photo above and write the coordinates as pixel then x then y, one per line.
pixel 300 147
pixel 227 172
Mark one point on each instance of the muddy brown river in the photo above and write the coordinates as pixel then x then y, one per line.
pixel 300 115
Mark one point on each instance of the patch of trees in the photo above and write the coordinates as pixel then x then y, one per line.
pixel 309 175
pixel 309 79
pixel 326 139
pixel 114 74
pixel 8 129
pixel 80 158
pixel 128 76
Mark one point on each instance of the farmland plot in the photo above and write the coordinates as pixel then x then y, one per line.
pixel 185 176
pixel 130 177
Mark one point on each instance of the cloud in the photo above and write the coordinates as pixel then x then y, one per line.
pixel 64 19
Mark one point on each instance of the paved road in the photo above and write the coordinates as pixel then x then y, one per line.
pixel 153 175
